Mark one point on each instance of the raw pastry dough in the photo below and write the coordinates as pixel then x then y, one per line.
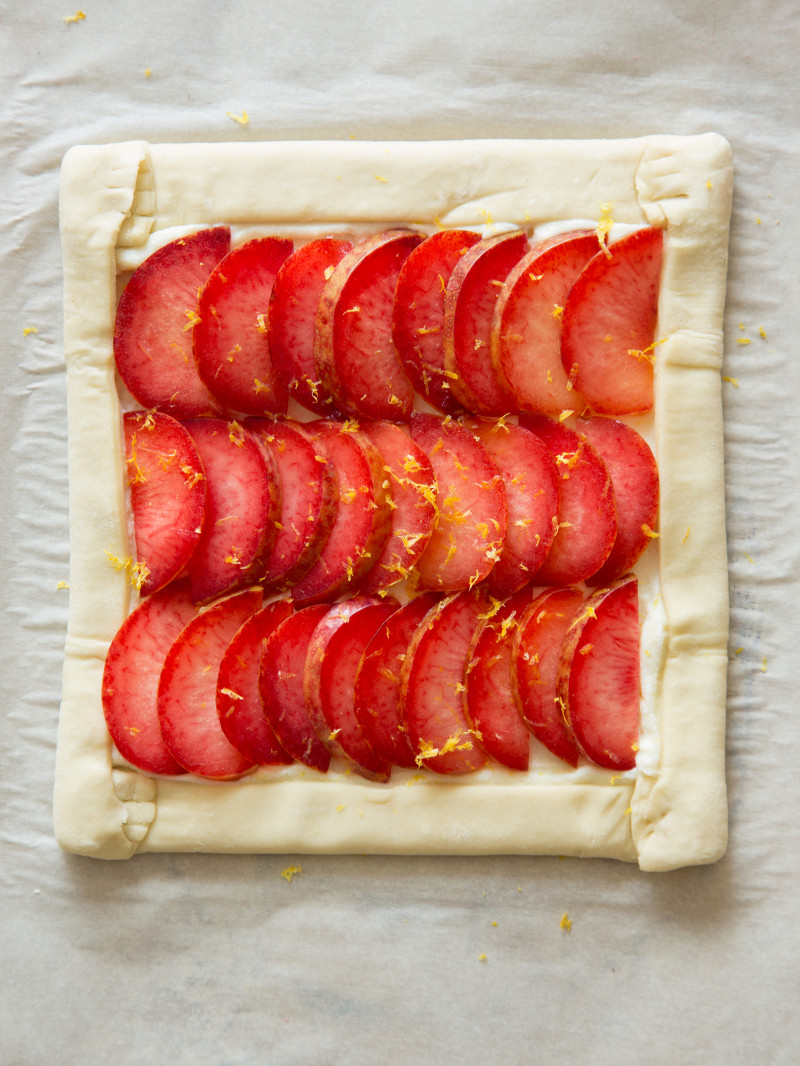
pixel 671 811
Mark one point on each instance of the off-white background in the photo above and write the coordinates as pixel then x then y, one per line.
pixel 217 959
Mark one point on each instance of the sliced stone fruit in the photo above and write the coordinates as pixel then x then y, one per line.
pixel 411 494
pixel 239 706
pixel 130 677
pixel 292 317
pixel 168 495
pixel 418 320
pixel 378 683
pixel 526 329
pixel 187 690
pixel 434 686
pixel 608 344
pixel 231 346
pixel 242 505
pixel 471 505
pixel 334 654
pixel 535 664
pixel 283 665
pixel 156 316
pixel 354 352
pixel 469 306
pixel 587 514
pixel 598 685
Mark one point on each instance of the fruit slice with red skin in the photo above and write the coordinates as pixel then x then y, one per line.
pixel 491 708
pixel 155 319
pixel 231 348
pixel 187 690
pixel 598 676
pixel 529 474
pixel 168 495
pixel 332 663
pixel 434 686
pixel 353 350
pixel 291 321
pixel 378 684
pixel 411 487
pixel 526 329
pixel 281 684
pixel 471 502
pixel 469 303
pixel 634 475
pixel 536 650
pixel 239 707
pixel 608 328
pixel 362 524
pixel 587 516
pixel 418 319
pixel 309 500
pixel 242 504
pixel 130 677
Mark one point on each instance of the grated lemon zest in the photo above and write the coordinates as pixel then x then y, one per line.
pixel 290 872
pixel 604 226
pixel 242 120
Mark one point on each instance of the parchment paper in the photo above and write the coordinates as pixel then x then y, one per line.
pixel 219 959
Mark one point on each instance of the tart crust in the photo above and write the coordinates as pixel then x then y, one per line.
pixel 114 201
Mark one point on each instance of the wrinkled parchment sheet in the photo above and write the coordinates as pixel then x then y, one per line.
pixel 220 959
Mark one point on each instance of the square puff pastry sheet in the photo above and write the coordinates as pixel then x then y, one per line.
pixel 114 197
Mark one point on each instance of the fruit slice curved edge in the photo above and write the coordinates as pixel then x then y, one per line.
pixel 608 328
pixel 130 677
pixel 187 689
pixel 239 707
pixel 469 306
pixel 471 506
pixel 434 687
pixel 599 676
pixel 168 495
pixel 291 321
pixel 491 708
pixel 156 315
pixel 353 350
pixel 418 319
pixel 526 328
pixel 230 342
pixel 281 684
pixel 634 475
pixel 334 654
pixel 587 514
pixel 536 656
pixel 242 503
pixel 378 682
